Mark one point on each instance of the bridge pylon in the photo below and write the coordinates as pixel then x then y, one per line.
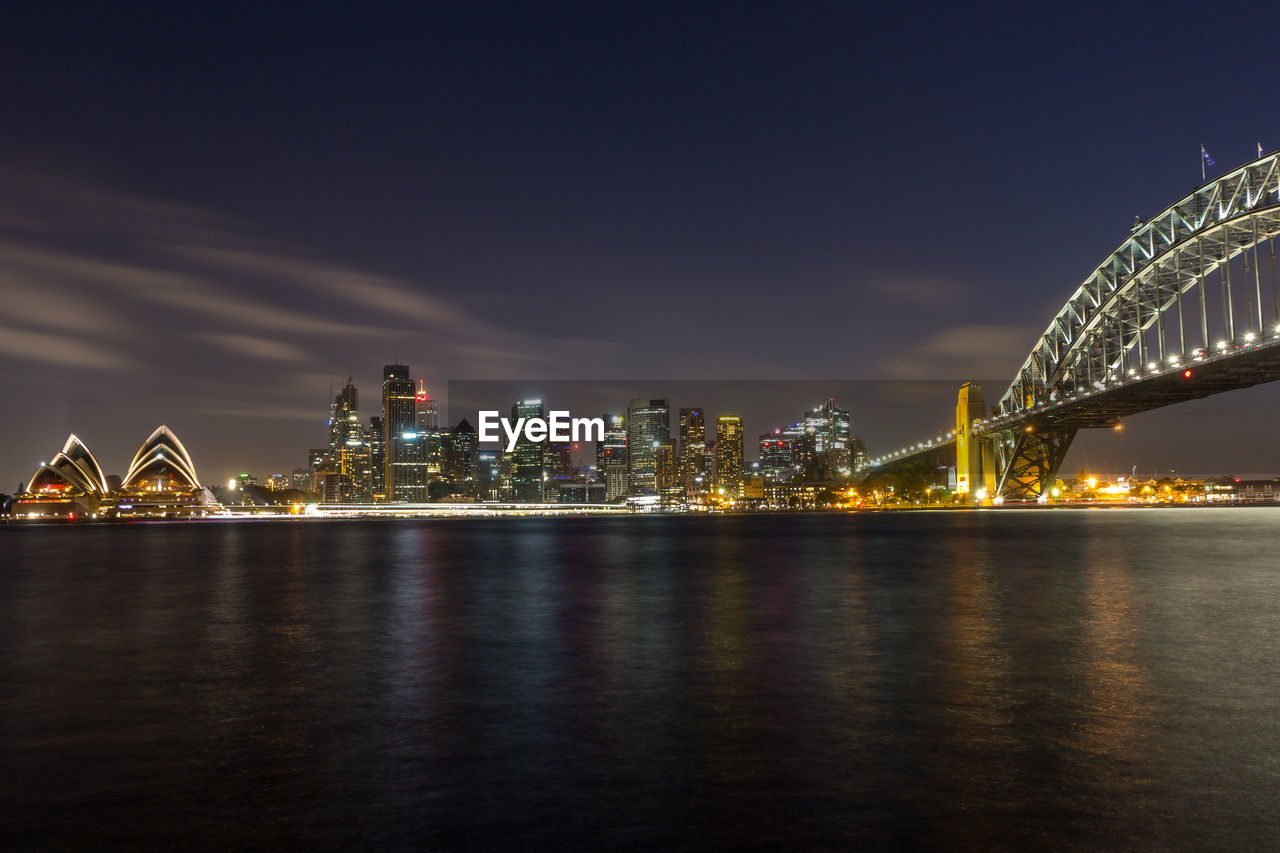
pixel 975 455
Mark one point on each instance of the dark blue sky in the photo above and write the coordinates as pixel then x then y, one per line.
pixel 207 215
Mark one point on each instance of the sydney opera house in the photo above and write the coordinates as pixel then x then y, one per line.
pixel 160 482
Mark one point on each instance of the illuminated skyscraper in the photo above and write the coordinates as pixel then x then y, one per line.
pixel 775 454
pixel 427 425
pixel 349 452
pixel 460 461
pixel 666 470
pixel 404 465
pixel 611 457
pixel 801 442
pixel 693 448
pixel 526 459
pixel 318 464
pixel 489 475
pixel 830 427
pixel 648 424
pixel 557 468
pixel 729 439
pixel 344 419
pixel 377 459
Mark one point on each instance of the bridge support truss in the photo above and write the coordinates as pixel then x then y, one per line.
pixel 1028 462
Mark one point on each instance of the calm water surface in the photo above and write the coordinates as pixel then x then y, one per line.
pixel 1077 679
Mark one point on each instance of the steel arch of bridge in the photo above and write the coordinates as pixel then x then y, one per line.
pixel 1119 323
pixel 1120 343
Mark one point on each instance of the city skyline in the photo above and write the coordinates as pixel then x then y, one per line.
pixel 644 452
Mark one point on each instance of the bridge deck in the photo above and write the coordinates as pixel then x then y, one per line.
pixel 1241 367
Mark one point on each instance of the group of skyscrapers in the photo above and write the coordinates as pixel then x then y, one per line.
pixel 404 455
pixel 398 455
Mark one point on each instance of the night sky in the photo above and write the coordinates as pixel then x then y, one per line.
pixel 207 217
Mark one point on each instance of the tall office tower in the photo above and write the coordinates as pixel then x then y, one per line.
pixel 488 475
pixel 348 449
pixel 693 448
pixel 460 447
pixel 611 457
pixel 775 454
pixel 729 456
pixel 427 425
pixel 713 471
pixel 426 409
pixel 666 469
pixel 611 452
pixel 318 463
pixel 376 440
pixel 404 479
pixel 648 424
pixel 505 490
pixel 801 442
pixel 526 459
pixel 344 419
pixel 358 461
pixel 830 427
pixel 557 469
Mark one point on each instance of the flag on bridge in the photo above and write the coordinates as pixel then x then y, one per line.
pixel 1260 155
pixel 1205 160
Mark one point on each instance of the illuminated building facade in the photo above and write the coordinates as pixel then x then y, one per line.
pixel 526 458
pixel 489 485
pixel 801 443
pixel 461 446
pixel 377 459
pixel 427 425
pixel 349 477
pixel 729 446
pixel 317 466
pixel 775 454
pixel 344 420
pixel 693 449
pixel 667 479
pixel 405 465
pixel 160 482
pixel 557 468
pixel 611 457
pixel 648 425
pixel 830 427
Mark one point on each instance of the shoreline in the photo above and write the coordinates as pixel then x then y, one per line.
pixel 428 512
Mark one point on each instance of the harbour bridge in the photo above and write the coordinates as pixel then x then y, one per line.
pixel 1175 313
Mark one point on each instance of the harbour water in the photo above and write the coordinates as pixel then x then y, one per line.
pixel 1081 679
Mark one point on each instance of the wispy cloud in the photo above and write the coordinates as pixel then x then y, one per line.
pixel 263 348
pixel 116 270
pixel 969 351
pixel 60 349
pixel 261 412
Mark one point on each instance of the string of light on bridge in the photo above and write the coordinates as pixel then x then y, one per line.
pixel 1224 349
